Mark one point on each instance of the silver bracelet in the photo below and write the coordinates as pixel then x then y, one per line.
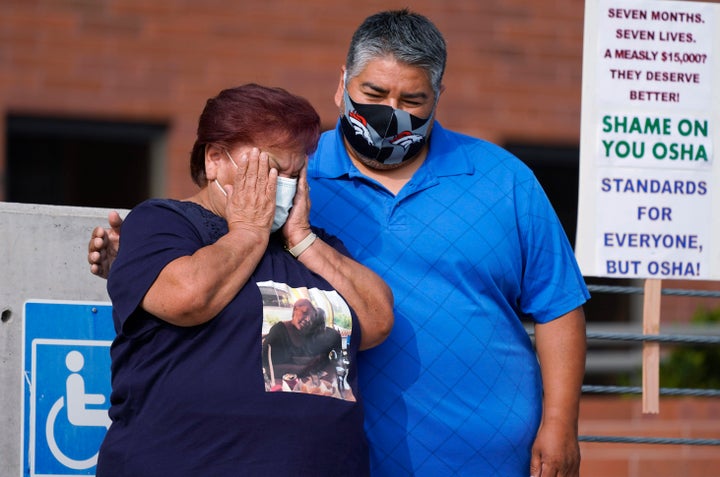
pixel 302 245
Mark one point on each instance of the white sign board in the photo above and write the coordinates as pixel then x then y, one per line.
pixel 66 393
pixel 648 201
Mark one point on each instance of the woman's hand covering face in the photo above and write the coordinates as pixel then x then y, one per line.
pixel 251 202
pixel 297 225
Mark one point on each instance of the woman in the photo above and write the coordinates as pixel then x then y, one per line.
pixel 189 390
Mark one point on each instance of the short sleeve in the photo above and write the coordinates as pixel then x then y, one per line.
pixel 153 234
pixel 552 284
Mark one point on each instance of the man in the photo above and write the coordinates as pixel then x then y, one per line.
pixel 301 345
pixel 467 240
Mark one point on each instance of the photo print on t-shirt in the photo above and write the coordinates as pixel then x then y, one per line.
pixel 305 337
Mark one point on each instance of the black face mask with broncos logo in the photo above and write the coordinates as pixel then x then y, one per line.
pixel 383 133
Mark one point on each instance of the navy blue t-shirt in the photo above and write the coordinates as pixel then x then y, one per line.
pixel 191 401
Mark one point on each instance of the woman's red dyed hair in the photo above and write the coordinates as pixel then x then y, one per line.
pixel 255 115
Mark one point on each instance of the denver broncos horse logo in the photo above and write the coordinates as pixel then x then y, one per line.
pixel 405 139
pixel 359 124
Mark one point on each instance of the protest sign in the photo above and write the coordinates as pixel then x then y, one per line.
pixel 648 198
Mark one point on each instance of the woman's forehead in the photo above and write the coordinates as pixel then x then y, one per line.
pixel 288 161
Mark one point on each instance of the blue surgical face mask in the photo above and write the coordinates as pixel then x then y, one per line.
pixel 286 188
pixel 383 133
pixel 284 195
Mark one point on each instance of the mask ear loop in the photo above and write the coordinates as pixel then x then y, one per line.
pixel 220 187
pixel 230 157
pixel 434 108
pixel 236 167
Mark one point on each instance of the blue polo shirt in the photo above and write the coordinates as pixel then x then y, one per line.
pixel 471 247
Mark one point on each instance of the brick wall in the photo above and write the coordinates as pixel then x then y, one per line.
pixel 514 67
pixel 687 418
pixel 514 74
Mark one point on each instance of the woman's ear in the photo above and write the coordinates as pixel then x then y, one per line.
pixel 213 158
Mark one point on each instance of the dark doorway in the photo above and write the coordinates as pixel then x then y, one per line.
pixel 80 162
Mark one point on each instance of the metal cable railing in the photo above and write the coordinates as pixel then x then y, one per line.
pixel 591 389
pixel 651 440
pixel 685 339
pixel 665 291
pixel 659 338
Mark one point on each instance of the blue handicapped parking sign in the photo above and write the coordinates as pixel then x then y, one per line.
pixel 67 386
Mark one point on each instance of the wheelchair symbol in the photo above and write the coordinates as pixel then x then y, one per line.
pixel 75 401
